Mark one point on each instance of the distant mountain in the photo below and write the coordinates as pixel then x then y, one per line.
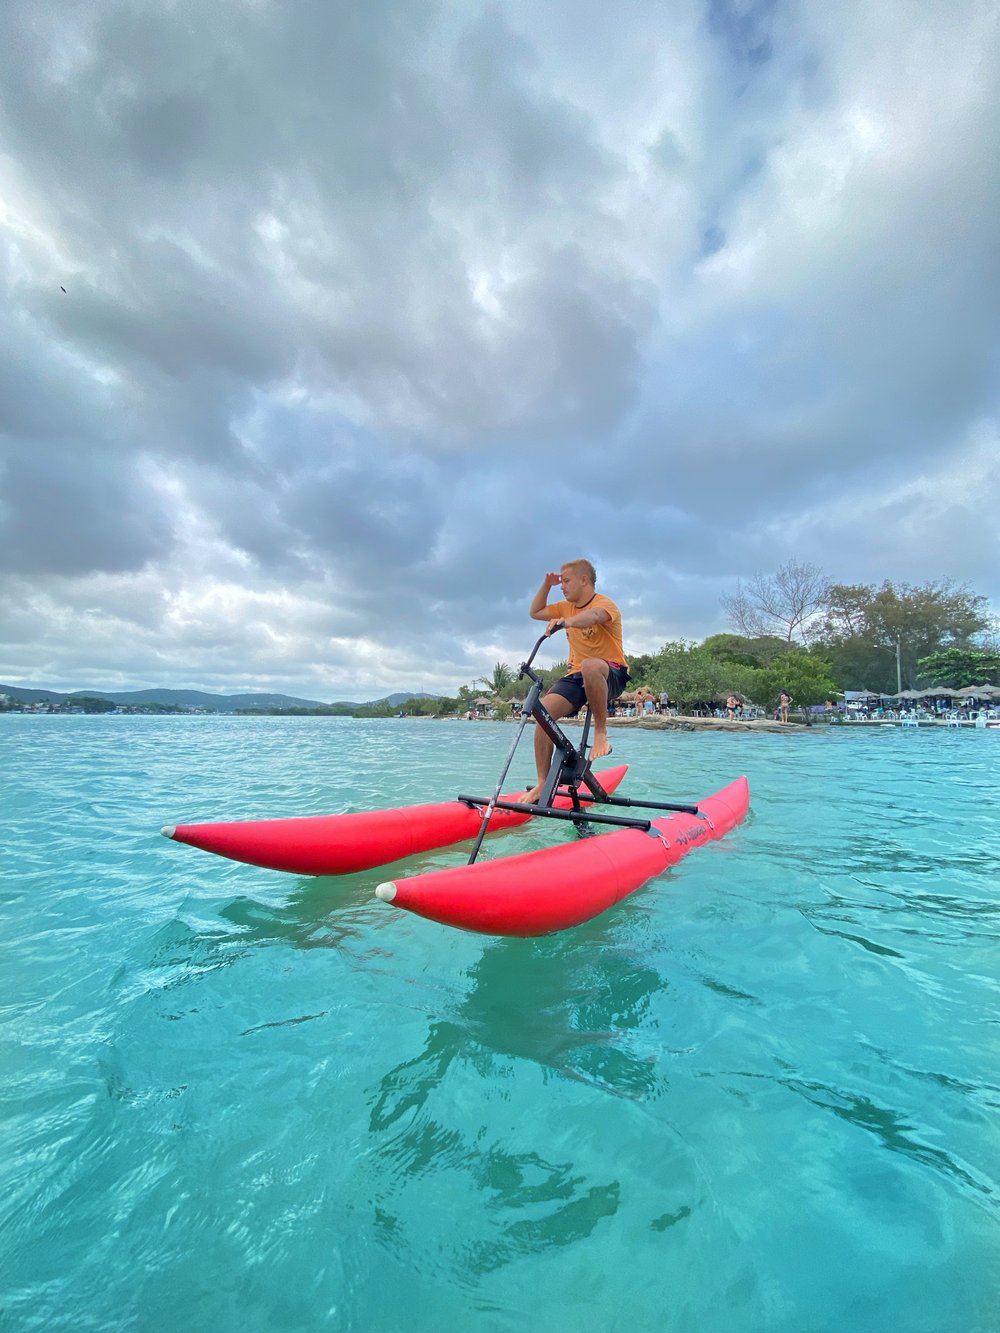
pixel 215 703
pixel 33 696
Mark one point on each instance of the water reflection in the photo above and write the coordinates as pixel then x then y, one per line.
pixel 317 914
pixel 562 1008
pixel 565 1003
pixel 891 1129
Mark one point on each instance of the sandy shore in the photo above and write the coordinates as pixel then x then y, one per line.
pixel 660 723
pixel 670 723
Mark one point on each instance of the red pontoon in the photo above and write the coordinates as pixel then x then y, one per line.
pixel 544 891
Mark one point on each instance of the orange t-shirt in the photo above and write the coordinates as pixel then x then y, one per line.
pixel 603 640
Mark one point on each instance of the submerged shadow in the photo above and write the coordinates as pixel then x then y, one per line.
pixel 566 1006
pixel 565 1003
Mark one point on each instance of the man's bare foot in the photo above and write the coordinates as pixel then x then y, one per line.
pixel 530 797
pixel 600 746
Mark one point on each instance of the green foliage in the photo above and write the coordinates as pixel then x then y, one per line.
pixel 757 652
pixel 91 704
pixel 926 618
pixel 689 673
pixel 550 675
pixel 640 667
pixel 500 681
pixel 381 709
pixel 712 670
pixel 418 707
pixel 804 675
pixel 300 710
pixel 863 626
pixel 959 667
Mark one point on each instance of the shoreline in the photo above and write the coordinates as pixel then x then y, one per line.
pixel 660 723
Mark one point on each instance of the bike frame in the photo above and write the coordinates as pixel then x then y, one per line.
pixel 569 770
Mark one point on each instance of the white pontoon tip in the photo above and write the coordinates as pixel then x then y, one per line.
pixel 168 830
pixel 386 892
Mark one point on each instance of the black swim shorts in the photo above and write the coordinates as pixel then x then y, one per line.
pixel 571 687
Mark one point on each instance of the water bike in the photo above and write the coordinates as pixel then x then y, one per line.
pixel 535 893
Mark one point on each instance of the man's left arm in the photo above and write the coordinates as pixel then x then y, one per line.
pixel 594 615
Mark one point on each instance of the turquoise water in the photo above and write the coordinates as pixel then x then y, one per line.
pixel 761 1094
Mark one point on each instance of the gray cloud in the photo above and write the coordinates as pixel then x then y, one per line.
pixel 371 316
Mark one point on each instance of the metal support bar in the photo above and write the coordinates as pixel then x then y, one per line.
pixel 492 805
pixel 586 800
pixel 604 799
pixel 548 812
pixel 651 805
pixel 555 733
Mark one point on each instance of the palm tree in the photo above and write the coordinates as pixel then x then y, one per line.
pixel 501 680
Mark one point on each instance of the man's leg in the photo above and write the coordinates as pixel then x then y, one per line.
pixel 595 681
pixel 558 707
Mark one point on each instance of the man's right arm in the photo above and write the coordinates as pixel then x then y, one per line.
pixel 538 609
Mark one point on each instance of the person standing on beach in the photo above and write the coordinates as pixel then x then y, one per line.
pixel 643 701
pixel 784 703
pixel 598 670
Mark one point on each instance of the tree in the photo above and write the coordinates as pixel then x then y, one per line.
pixel 549 674
pixel 927 617
pixel 746 652
pixel 804 675
pixel 846 610
pixel 501 680
pixel 688 673
pixel 786 603
pixel 91 703
pixel 641 665
pixel 864 629
pixel 959 667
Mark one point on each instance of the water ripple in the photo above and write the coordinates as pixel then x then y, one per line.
pixel 760 1093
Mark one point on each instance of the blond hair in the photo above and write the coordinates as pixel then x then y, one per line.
pixel 583 569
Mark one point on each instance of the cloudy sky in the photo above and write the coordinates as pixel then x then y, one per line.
pixel 328 328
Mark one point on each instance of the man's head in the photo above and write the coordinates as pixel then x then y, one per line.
pixel 578 578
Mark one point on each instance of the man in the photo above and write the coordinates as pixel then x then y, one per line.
pixel 598 671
